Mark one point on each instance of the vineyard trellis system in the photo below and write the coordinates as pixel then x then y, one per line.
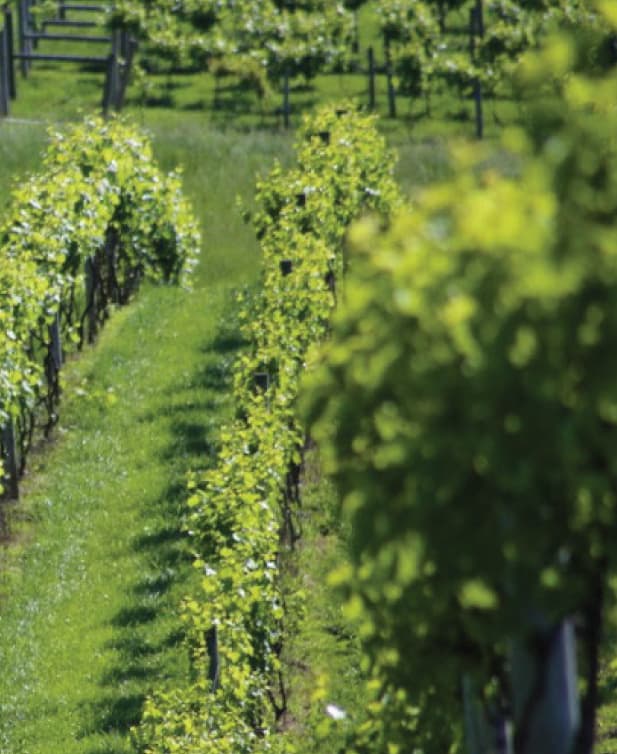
pixel 116 65
pixel 87 311
pixel 77 241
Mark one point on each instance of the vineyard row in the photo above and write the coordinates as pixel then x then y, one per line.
pixel 242 514
pixel 77 239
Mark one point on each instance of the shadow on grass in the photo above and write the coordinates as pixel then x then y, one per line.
pixel 119 712
pixel 159 539
pixel 147 641
pixel 134 616
pixel 193 438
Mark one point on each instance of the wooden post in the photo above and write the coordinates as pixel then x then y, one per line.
pixel 105 102
pixel 61 11
pixel 91 298
pixel 476 737
pixel 24 43
pixel 11 467
pixel 286 105
pixel 4 73
pixel 10 30
pixel 545 692
pixel 212 646
pixel 371 78
pixel 123 44
pixel 110 256
pixel 129 48
pixel 110 85
pixel 480 17
pixel 115 69
pixel 55 343
pixel 390 79
pixel 53 363
pixel 112 94
pixel 32 26
pixel 476 25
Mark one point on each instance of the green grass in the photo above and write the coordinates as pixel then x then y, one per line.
pixel 44 97
pixel 90 619
pixel 20 152
pixel 322 655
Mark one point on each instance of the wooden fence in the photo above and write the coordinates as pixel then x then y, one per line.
pixel 19 43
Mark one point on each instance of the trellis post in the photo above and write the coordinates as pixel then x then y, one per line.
pixel 10 47
pixel 4 73
pixel 11 465
pixel 476 29
pixel 25 47
pixel 55 343
pixel 371 78
pixel 390 79
pixel 545 692
pixel 286 105
pixel 212 646
pixel 91 297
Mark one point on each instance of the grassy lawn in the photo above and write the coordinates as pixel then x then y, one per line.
pixel 322 657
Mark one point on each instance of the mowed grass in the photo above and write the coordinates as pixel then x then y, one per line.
pixel 46 96
pixel 322 657
pixel 98 564
pixel 20 152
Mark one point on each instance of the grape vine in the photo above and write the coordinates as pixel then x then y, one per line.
pixel 98 202
pixel 243 511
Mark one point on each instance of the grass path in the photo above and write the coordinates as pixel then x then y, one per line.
pixel 91 617
pixel 89 596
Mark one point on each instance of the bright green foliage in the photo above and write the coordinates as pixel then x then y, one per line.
pixel 425 51
pixel 238 511
pixel 513 26
pixel 97 178
pixel 257 40
pixel 466 405
pixel 411 34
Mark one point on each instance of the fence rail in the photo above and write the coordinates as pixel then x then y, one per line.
pixel 43 56
pixel 87 8
pixel 116 65
pixel 41 35
pixel 68 22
